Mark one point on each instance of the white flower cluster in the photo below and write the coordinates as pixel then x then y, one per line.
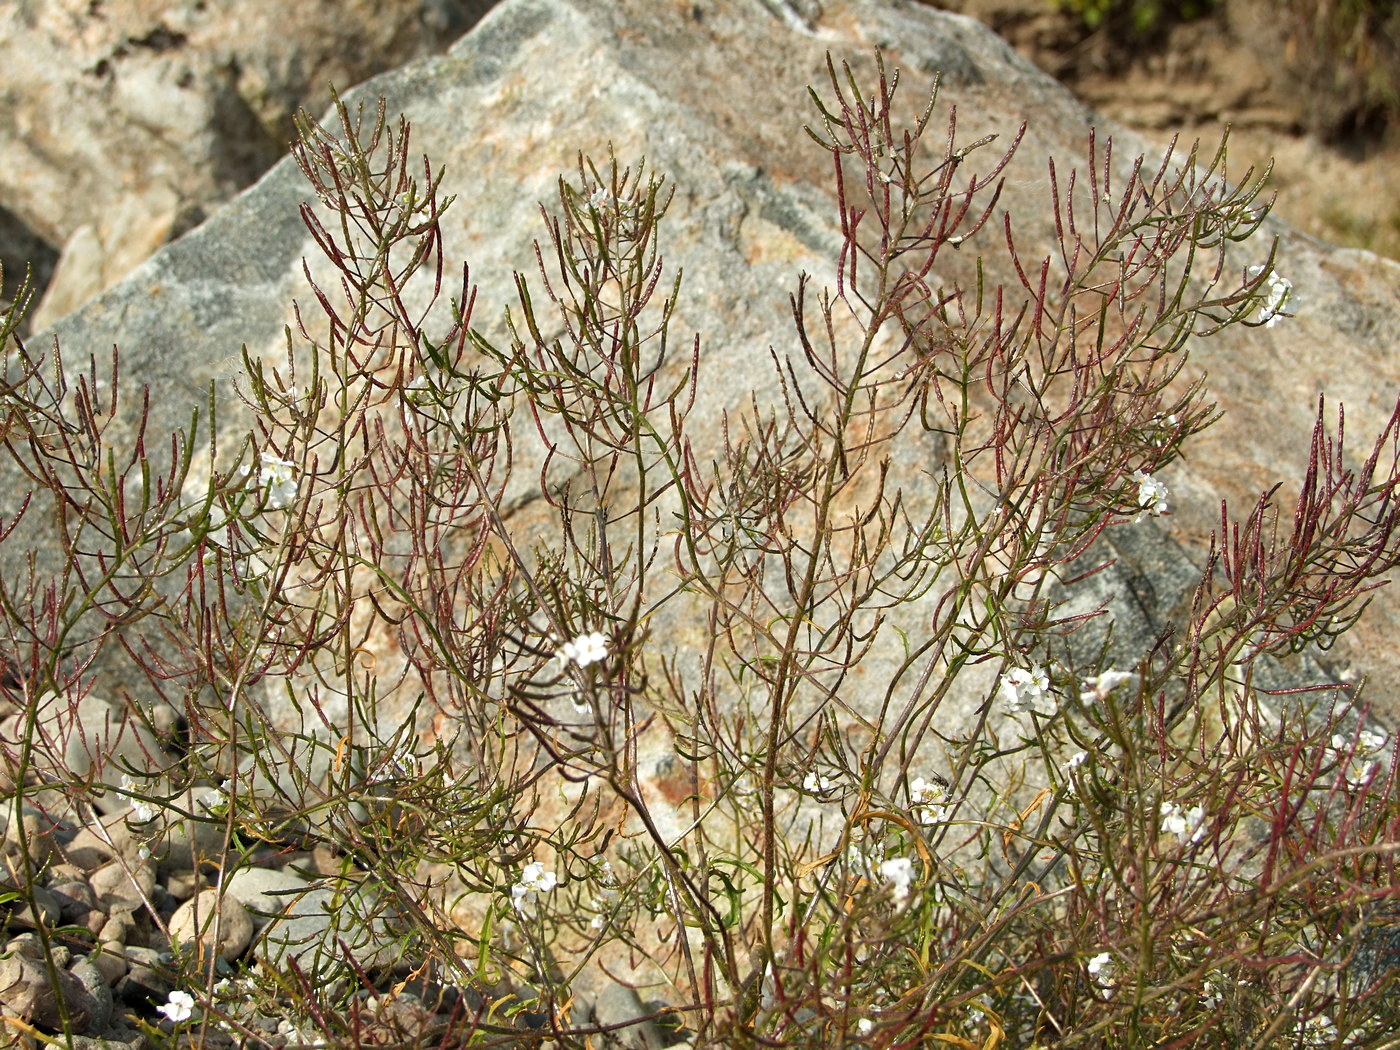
pixel 1279 295
pixel 1185 824
pixel 590 648
pixel 396 764
pixel 1101 971
pixel 1025 689
pixel 534 879
pixel 606 897
pixel 899 873
pixel 1213 990
pixel 277 483
pixel 1319 1031
pixel 1164 429
pixel 139 809
pixel 927 800
pixel 1361 760
pixel 865 863
pixel 1152 495
pixel 276 479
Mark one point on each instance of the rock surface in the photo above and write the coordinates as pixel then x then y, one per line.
pixel 714 97
pixel 129 120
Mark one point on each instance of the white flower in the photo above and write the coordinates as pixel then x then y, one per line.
pixel 1099 687
pixel 899 873
pixel 140 810
pixel 215 802
pixel 277 479
pixel 1022 689
pixel 866 863
pixel 1278 295
pixel 1166 427
pixel 817 784
pixel 179 1007
pixel 1101 970
pixel 1367 742
pixel 397 764
pixel 586 649
pixel 534 879
pixel 925 798
pixel 1152 494
pixel 1214 991
pixel 1364 759
pixel 1076 760
pixel 1319 1031
pixel 923 792
pixel 865 1026
pixel 1183 823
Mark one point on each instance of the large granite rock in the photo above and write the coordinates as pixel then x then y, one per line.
pixel 126 121
pixel 713 95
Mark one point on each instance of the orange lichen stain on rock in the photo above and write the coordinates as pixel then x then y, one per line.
pixel 678 781
pixel 762 241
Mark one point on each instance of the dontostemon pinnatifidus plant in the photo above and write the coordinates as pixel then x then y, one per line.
pixel 490 573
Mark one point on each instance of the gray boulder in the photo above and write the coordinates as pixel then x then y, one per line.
pixel 127 122
pixel 714 98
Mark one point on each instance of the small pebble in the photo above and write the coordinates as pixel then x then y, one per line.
pixel 75 900
pixel 117 927
pixel 143 985
pixel 210 910
pixel 182 885
pixel 124 884
pixel 38 841
pixel 99 993
pixel 110 962
pixel 90 849
pixel 27 945
pixel 65 873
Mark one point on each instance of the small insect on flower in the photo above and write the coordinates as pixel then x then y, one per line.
pixel 926 799
pixel 178 1007
pixel 590 648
